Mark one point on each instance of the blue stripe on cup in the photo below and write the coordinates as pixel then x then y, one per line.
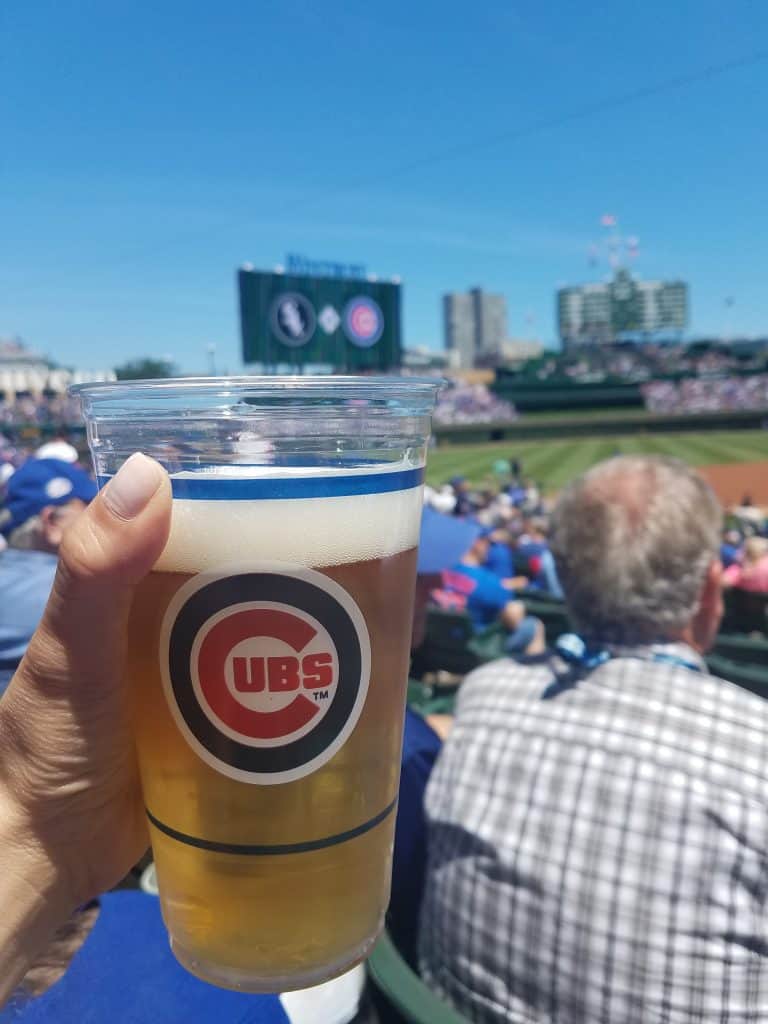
pixel 256 488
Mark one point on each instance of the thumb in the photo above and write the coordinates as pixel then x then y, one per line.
pixel 104 554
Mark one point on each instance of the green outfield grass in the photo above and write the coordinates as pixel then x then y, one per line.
pixel 553 463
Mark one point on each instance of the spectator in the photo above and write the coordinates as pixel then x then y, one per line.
pixel 532 500
pixel 750 517
pixel 533 547
pixel 597 825
pixel 752 573
pixel 730 549
pixel 42 498
pixel 499 558
pixel 533 542
pixel 469 586
pixel 463 505
pixel 444 500
pixel 501 469
pixel 517 493
pixel 59 448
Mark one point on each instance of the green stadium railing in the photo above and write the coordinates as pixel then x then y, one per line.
pixel 752 676
pixel 745 612
pixel 452 645
pixel 405 996
pixel 745 650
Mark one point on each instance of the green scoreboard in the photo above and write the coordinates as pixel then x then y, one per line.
pixel 350 323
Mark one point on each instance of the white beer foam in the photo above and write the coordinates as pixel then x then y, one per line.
pixel 312 532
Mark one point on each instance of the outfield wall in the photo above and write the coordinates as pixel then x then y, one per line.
pixel 543 427
pixel 531 395
pixel 528 393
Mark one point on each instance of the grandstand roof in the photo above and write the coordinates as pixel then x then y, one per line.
pixel 15 354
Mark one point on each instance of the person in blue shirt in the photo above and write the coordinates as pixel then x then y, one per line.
pixel 42 498
pixel 516 492
pixel 532 542
pixel 730 549
pixel 533 546
pixel 469 585
pixel 499 559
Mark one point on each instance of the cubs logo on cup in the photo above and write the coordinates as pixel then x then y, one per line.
pixel 265 669
pixel 363 321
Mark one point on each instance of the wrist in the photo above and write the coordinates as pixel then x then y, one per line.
pixel 33 900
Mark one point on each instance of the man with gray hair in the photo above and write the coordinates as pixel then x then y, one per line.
pixel 598 819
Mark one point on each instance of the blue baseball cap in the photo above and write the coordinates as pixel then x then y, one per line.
pixel 39 483
pixel 444 540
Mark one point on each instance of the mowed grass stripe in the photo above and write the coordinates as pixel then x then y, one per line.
pixel 444 463
pixel 580 456
pixel 695 448
pixel 474 465
pixel 649 444
pixel 553 463
pixel 705 450
pixel 685 448
pixel 751 447
pixel 476 461
pixel 724 446
pixel 547 464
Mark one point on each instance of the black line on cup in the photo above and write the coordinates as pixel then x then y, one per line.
pixel 274 849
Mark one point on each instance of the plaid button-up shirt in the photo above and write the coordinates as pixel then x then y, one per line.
pixel 598 852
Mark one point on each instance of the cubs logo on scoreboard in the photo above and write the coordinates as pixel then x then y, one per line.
pixel 363 321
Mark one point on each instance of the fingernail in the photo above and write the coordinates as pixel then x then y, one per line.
pixel 130 489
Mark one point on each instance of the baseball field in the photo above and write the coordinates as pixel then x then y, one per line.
pixel 736 461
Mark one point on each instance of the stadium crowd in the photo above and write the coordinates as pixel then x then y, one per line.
pixel 460 403
pixel 515 518
pixel 45 411
pixel 639 361
pixel 707 394
pixel 457 403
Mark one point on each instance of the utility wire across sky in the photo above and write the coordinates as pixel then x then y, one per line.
pixel 471 147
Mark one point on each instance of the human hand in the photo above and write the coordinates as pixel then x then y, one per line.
pixel 71 817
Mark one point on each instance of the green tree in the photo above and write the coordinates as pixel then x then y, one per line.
pixel 144 369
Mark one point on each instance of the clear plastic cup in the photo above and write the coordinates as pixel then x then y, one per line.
pixel 268 658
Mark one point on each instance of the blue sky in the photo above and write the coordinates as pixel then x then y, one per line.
pixel 146 150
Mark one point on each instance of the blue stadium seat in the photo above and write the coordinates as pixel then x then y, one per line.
pixel 125 972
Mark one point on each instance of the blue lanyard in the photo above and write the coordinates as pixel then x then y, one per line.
pixel 573 649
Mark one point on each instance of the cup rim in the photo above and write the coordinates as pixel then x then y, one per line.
pixel 272 383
